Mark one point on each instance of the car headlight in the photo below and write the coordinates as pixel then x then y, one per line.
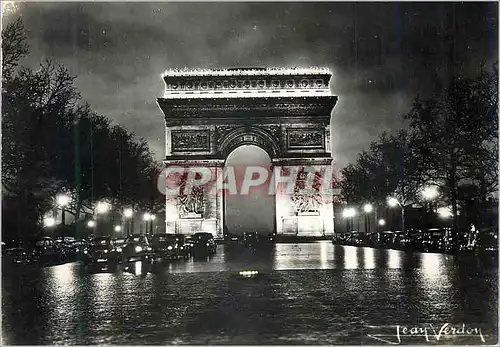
pixel 138 249
pixel 85 251
pixel 148 248
pixel 119 249
pixel 105 251
pixel 208 244
pixel 169 248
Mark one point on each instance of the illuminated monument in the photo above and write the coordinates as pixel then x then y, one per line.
pixel 210 113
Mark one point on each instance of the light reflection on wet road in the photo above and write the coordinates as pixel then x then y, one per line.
pixel 305 293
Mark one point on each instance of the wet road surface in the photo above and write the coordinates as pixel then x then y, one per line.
pixel 305 293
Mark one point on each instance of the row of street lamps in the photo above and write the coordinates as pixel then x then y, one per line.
pixel 429 193
pixel 101 208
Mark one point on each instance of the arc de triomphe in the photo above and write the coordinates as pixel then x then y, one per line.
pixel 209 113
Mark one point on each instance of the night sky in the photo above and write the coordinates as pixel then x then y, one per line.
pixel 381 55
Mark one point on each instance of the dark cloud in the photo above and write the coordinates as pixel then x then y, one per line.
pixel 381 54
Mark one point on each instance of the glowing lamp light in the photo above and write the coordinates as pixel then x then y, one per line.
pixel 392 202
pixel 429 193
pixel 381 222
pixel 444 212
pixel 91 223
pixel 49 222
pixel 248 273
pixel 152 217
pixel 102 207
pixel 349 212
pixel 118 228
pixel 128 213
pixel 63 200
pixel 146 216
pixel 368 208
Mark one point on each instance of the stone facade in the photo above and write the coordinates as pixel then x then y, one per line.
pixel 286 112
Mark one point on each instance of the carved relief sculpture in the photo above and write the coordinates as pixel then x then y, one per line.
pixel 186 141
pixel 305 138
pixel 307 199
pixel 191 204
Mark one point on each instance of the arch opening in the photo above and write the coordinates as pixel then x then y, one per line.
pixel 249 207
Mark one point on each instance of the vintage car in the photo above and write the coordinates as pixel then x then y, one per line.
pixel 487 240
pixel 251 239
pixel 137 247
pixel 188 245
pixel 45 250
pixel 203 244
pixel 167 246
pixel 76 250
pixel 435 240
pixel 16 255
pixel 101 251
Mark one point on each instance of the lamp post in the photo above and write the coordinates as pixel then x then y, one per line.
pixel 393 202
pixel 118 228
pixel 62 201
pixel 102 208
pixel 348 214
pixel 367 208
pixel 128 213
pixel 49 222
pixel 153 218
pixel 429 193
pixel 146 217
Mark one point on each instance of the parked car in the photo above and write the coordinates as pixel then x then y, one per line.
pixel 434 240
pixel 183 247
pixel 271 237
pixel 102 251
pixel 251 239
pixel 77 250
pixel 45 250
pixel 16 255
pixel 415 242
pixel 203 244
pixel 188 245
pixel 487 240
pixel 137 247
pixel 165 246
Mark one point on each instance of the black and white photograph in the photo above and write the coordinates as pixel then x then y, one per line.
pixel 249 173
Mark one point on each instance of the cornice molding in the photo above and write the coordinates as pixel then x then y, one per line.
pixel 272 71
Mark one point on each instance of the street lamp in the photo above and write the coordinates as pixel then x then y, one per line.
pixel 63 200
pixel 393 202
pixel 146 217
pixel 381 222
pixel 429 193
pixel 153 218
pixel 49 222
pixel 444 212
pixel 128 213
pixel 348 214
pixel 118 228
pixel 367 208
pixel 102 207
pixel 91 224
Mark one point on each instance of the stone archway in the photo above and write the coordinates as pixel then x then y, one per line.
pixel 209 113
pixel 249 135
pixel 250 207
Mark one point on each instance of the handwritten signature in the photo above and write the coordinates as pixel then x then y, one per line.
pixel 428 331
